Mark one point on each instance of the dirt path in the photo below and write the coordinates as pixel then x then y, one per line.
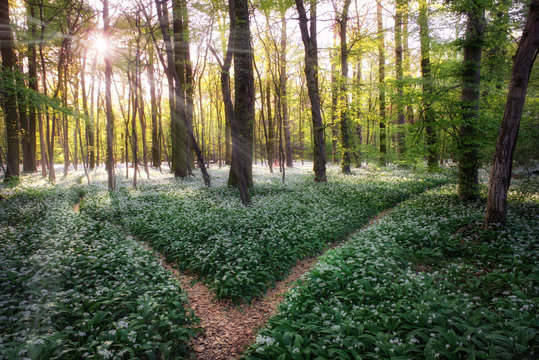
pixel 228 328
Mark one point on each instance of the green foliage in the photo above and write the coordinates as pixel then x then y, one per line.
pixel 72 287
pixel 239 251
pixel 414 286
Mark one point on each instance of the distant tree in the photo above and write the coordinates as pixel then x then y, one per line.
pixel 308 36
pixel 500 175
pixel 9 92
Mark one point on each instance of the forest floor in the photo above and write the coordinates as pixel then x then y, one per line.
pixel 229 328
pixel 171 269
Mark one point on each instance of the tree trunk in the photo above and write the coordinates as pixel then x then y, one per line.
pixel 33 86
pixel 500 175
pixel 156 149
pixel 428 113
pixel 345 111
pixel 468 186
pixel 381 80
pixel 28 161
pixel 108 104
pixel 283 90
pixel 308 36
pixel 334 118
pixel 399 79
pixel 178 121
pixel 10 98
pixel 244 99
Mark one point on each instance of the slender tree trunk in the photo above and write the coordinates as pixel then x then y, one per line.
pixel 133 85
pixel 28 161
pixel 345 111
pixel 381 80
pixel 156 149
pixel 468 146
pixel 283 91
pixel 33 86
pixel 334 118
pixel 142 119
pixel 399 79
pixel 500 175
pixel 108 105
pixel 65 123
pixel 428 113
pixel 10 98
pixel 308 37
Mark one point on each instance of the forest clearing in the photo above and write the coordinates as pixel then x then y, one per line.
pixel 289 179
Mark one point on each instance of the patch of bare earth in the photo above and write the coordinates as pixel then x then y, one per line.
pixel 228 328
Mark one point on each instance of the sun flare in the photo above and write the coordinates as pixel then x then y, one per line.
pixel 101 44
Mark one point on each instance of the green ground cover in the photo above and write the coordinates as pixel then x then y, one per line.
pixel 72 287
pixel 414 286
pixel 241 251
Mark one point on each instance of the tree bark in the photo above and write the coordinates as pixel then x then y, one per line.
pixel 178 126
pixel 156 149
pixel 345 111
pixel 308 36
pixel 428 113
pixel 468 182
pixel 9 89
pixel 108 104
pixel 381 81
pixel 244 99
pixel 500 175
pixel 283 91
pixel 399 79
pixel 33 86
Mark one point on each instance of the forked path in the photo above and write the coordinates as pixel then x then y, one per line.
pixel 229 328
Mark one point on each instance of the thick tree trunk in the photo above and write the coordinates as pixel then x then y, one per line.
pixel 345 111
pixel 179 120
pixel 10 98
pixel 468 147
pixel 428 113
pixel 244 99
pixel 308 36
pixel 108 104
pixel 500 175
pixel 381 81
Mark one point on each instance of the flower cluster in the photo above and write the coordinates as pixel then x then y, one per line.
pixel 241 251
pixel 421 283
pixel 72 287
